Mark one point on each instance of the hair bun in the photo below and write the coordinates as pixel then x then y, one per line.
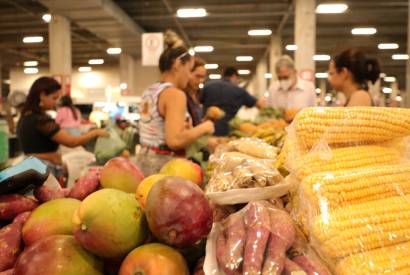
pixel 172 40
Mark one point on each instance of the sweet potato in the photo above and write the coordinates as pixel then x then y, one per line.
pixel 292 268
pixel 22 218
pixel 281 238
pixel 11 242
pixel 235 233
pixel 222 254
pixel 311 266
pixel 12 205
pixel 8 272
pixel 84 186
pixel 45 193
pixel 258 225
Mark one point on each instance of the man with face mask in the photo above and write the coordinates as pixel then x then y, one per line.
pixel 228 96
pixel 290 91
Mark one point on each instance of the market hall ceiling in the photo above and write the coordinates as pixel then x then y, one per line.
pixel 97 25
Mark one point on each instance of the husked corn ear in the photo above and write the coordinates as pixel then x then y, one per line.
pixel 355 124
pixel 346 158
pixel 393 259
pixel 346 187
pixel 361 227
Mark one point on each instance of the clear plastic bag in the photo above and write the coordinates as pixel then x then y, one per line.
pixel 253 147
pixel 109 147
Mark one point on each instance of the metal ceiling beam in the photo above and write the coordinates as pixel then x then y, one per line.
pixel 28 55
pixel 177 23
pixel 211 15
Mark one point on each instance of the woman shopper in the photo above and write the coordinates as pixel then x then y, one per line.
pixel 197 77
pixel 165 128
pixel 350 72
pixel 69 117
pixel 38 134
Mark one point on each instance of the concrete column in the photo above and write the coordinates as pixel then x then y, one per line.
pixel 127 73
pixel 60 50
pixel 305 34
pixel 322 87
pixel 406 96
pixel 275 52
pixel 261 81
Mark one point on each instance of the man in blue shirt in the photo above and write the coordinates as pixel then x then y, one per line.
pixel 228 96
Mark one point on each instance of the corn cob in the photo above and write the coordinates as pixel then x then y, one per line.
pixel 392 259
pixel 346 125
pixel 362 227
pixel 346 158
pixel 346 187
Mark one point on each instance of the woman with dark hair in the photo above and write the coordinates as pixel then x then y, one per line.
pixel 350 72
pixel 197 77
pixel 68 117
pixel 38 134
pixel 165 127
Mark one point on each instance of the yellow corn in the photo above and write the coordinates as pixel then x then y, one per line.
pixel 346 158
pixel 337 125
pixel 393 259
pixel 362 227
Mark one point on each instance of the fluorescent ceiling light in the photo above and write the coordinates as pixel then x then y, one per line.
pixel 30 70
pixel 201 85
pixel 328 98
pixel 33 39
pixel 321 75
pixel 244 58
pixel 244 72
pixel 318 90
pixel 331 8
pixel 387 90
pixel 114 50
pixel 98 61
pixel 382 75
pixel 291 47
pixel 364 31
pixel 268 75
pixel 400 56
pixel 389 79
pixel 321 57
pixel 211 66
pixel 203 49
pixel 30 63
pixel 214 76
pixel 123 86
pixel 47 17
pixel 187 13
pixel 85 69
pixel 260 32
pixel 398 98
pixel 388 46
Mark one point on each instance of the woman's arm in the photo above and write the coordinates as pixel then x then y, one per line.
pixel 64 138
pixel 172 105
pixel 53 157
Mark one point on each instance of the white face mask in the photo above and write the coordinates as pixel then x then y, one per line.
pixel 285 84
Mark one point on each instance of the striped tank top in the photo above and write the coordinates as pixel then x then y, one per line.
pixel 152 124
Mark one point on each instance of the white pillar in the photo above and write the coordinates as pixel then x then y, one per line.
pixel 127 72
pixel 305 34
pixel 275 52
pixel 261 83
pixel 407 94
pixel 322 87
pixel 60 50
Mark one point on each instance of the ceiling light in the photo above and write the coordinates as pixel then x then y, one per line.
pixel 214 76
pixel 187 13
pixel 389 79
pixel 30 63
pixel 387 90
pixel 85 69
pixel 364 31
pixel 98 61
pixel 123 86
pixel 398 98
pixel 291 47
pixel 30 70
pixel 46 17
pixel 201 85
pixel 388 46
pixel 331 8
pixel 400 56
pixel 244 72
pixel 33 39
pixel 328 98
pixel 203 49
pixel 244 58
pixel 318 90
pixel 321 57
pixel 268 75
pixel 321 75
pixel 211 66
pixel 382 75
pixel 7 81
pixel 114 50
pixel 260 32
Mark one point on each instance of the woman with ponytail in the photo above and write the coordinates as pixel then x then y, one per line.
pixel 350 72
pixel 68 117
pixel 165 127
